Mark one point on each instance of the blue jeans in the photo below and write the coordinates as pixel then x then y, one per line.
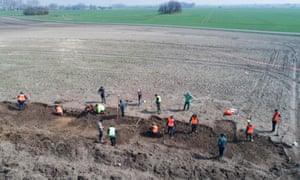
pixel 21 105
pixel 171 131
pixel 122 111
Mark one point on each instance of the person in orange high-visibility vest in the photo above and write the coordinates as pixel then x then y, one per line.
pixel 194 121
pixel 58 110
pixel 22 98
pixel 249 131
pixel 275 120
pixel 154 129
pixel 171 123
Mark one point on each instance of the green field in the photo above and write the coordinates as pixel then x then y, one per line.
pixel 266 19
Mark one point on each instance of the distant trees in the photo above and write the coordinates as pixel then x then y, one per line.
pixel 53 6
pixel 10 4
pixel 170 7
pixel 187 5
pixel 30 11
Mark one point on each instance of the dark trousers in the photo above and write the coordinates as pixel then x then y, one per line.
pixel 158 107
pixel 249 136
pixel 171 131
pixel 100 136
pixel 103 98
pixel 113 141
pixel 274 124
pixel 186 105
pixel 221 151
pixel 194 127
pixel 139 99
pixel 122 111
pixel 21 105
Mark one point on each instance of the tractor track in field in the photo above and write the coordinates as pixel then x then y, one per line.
pixel 295 97
pixel 260 86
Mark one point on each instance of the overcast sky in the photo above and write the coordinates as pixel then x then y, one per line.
pixel 156 2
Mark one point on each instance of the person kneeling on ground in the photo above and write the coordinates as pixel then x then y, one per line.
pixel 227 112
pixel 231 111
pixel 58 110
pixel 89 109
pixel 154 130
pixel 100 109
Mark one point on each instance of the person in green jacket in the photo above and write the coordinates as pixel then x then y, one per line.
pixel 112 134
pixel 188 97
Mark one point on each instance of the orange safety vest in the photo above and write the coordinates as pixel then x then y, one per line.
pixel 194 120
pixel 171 122
pixel 250 129
pixel 155 129
pixel 21 97
pixel 276 117
pixel 59 109
pixel 228 112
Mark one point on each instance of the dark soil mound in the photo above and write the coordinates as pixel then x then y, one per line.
pixel 73 138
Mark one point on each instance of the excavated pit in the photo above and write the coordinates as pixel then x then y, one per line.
pixel 73 137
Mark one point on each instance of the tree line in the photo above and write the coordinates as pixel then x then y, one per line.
pixel 32 7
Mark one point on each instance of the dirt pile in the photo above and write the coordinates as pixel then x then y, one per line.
pixel 36 144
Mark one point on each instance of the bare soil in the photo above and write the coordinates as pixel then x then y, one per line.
pixel 67 63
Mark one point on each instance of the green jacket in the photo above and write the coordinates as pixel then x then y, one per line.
pixel 100 108
pixel 188 97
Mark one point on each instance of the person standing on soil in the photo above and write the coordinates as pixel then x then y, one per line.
pixel 275 119
pixel 100 129
pixel 188 97
pixel 194 121
pixel 171 123
pixel 139 96
pixel 222 143
pixel 101 91
pixel 158 101
pixel 249 132
pixel 112 134
pixel 122 106
pixel 22 98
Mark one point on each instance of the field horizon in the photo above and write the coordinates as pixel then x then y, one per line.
pixel 260 19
